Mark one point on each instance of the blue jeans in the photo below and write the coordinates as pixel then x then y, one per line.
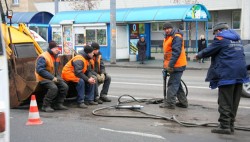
pixel 85 91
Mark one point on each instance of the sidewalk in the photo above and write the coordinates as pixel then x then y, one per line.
pixel 157 63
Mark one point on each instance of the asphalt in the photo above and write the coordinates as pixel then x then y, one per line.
pixel 157 63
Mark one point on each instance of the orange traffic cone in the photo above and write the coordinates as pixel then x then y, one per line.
pixel 34 117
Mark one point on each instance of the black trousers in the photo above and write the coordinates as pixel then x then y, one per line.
pixel 105 87
pixel 56 92
pixel 228 101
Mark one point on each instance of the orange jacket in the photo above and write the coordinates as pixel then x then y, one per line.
pixel 68 70
pixel 50 60
pixel 167 50
pixel 96 63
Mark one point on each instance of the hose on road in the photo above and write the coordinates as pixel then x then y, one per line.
pixel 136 108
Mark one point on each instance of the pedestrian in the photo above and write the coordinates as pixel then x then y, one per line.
pixel 227 72
pixel 101 75
pixel 47 75
pixel 174 64
pixel 202 44
pixel 76 71
pixel 142 47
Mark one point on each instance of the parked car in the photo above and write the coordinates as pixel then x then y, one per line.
pixel 246 86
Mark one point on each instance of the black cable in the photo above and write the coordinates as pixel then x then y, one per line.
pixel 154 116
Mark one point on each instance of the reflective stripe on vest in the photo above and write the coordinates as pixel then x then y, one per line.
pixel 167 50
pixel 50 62
pixel 68 72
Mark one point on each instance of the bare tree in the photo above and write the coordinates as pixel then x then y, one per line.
pixel 84 4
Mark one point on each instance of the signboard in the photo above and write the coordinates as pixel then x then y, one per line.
pixel 134 31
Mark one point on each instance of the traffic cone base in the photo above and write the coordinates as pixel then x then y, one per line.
pixel 34 117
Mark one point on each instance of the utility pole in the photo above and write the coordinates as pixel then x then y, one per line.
pixel 113 31
pixel 56 6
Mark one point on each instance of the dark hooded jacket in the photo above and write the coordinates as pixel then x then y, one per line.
pixel 228 64
pixel 78 66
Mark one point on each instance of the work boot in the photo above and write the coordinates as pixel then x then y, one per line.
pixel 181 105
pixel 99 101
pixel 105 99
pixel 60 107
pixel 82 105
pixel 166 105
pixel 220 130
pixel 232 127
pixel 47 109
pixel 90 103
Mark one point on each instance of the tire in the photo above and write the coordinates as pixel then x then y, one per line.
pixel 246 89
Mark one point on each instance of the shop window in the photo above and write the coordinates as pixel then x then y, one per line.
pixel 56 35
pixel 101 36
pixel 97 35
pixel 79 39
pixel 90 36
pixel 154 27
pixel 236 19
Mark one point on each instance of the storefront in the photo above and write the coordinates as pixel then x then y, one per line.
pixel 73 29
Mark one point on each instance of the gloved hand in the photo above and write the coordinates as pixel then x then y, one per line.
pixel 55 80
pixel 99 78
pixel 103 76
pixel 170 70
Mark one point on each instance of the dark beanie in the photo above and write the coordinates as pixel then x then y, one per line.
pixel 52 44
pixel 88 49
pixel 220 26
pixel 95 46
pixel 167 25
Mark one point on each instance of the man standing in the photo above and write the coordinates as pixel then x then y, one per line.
pixel 48 77
pixel 227 72
pixel 100 72
pixel 174 63
pixel 76 70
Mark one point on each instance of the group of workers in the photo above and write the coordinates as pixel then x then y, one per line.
pixel 86 71
pixel 227 72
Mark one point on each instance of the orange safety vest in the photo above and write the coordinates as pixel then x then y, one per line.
pixel 96 59
pixel 167 50
pixel 68 70
pixel 49 64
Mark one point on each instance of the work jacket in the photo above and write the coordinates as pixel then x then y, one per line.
pixel 228 65
pixel 97 64
pixel 46 66
pixel 174 52
pixel 76 68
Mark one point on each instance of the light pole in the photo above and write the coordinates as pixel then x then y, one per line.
pixel 113 31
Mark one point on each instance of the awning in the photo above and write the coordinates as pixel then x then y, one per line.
pixel 196 12
pixel 31 17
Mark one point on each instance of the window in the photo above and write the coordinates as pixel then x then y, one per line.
pixel 154 27
pixel 236 19
pixel 101 36
pixel 15 1
pixel 56 35
pixel 213 20
pixel 79 39
pixel 97 35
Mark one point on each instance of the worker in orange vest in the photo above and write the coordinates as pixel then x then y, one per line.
pixel 174 64
pixel 47 75
pixel 77 71
pixel 99 71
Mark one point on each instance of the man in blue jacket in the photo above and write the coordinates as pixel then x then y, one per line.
pixel 227 72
